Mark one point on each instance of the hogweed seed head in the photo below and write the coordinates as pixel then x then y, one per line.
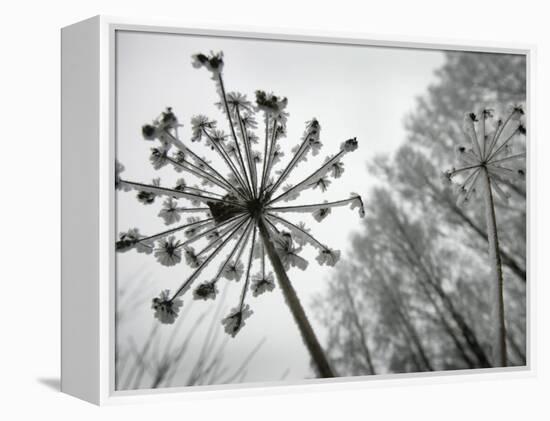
pixel 490 150
pixel 231 200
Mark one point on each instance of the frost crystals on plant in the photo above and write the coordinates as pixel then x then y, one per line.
pixel 238 199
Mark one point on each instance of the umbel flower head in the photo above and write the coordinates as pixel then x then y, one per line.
pixel 235 208
pixel 166 309
pixel 489 151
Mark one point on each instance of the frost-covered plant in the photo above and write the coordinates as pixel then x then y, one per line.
pixel 239 206
pixel 486 165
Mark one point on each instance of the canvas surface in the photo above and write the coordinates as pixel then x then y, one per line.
pixel 398 272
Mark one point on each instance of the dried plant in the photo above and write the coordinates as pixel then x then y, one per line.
pixel 237 207
pixel 159 360
pixel 487 165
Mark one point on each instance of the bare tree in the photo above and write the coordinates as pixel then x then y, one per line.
pixel 416 278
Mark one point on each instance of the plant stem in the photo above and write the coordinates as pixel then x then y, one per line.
pixel 308 335
pixel 232 127
pixel 497 287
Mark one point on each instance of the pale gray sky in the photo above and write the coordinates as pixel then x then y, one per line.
pixel 352 91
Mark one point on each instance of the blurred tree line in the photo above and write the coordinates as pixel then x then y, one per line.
pixel 412 295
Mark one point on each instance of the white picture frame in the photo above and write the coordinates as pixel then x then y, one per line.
pixel 88 234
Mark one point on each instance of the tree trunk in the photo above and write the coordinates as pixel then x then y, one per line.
pixel 446 326
pixel 403 315
pixel 496 288
pixel 308 335
pixel 360 329
pixel 416 261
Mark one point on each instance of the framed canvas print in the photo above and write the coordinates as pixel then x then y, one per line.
pixel 246 210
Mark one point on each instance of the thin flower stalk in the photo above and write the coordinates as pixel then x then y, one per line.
pixel 201 162
pixel 248 151
pixel 124 244
pixel 238 246
pixel 270 154
pixel 247 278
pixel 308 334
pixel 355 200
pixel 227 159
pixel 197 272
pixel 497 290
pixel 266 152
pixel 222 234
pixel 232 128
pixel 310 137
pixel 348 146
pixel 231 224
pixel 192 169
pixel 163 191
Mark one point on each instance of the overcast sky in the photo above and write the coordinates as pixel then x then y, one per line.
pixel 352 90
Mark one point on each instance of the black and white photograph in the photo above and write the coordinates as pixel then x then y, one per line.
pixel 275 211
pixel 289 211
